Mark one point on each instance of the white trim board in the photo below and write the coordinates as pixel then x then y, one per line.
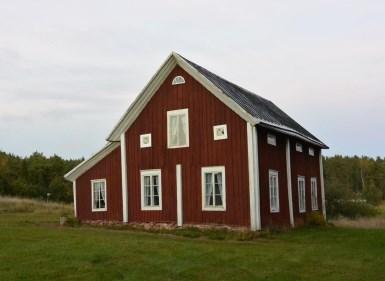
pixel 155 82
pixel 124 177
pixel 90 162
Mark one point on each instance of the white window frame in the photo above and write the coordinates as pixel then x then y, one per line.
pixel 178 112
pixel 301 179
pixel 214 169
pixel 314 194
pixel 298 147
pixel 272 139
pixel 218 137
pixel 273 209
pixel 154 172
pixel 178 80
pixel 144 145
pixel 92 195
pixel 311 151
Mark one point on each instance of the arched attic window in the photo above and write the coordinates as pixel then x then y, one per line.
pixel 178 80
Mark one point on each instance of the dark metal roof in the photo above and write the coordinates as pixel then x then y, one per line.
pixel 256 106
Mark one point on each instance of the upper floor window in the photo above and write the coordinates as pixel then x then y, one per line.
pixel 311 151
pixel 145 140
pixel 177 128
pixel 220 132
pixel 213 188
pixel 99 195
pixel 271 139
pixel 298 147
pixel 301 194
pixel 314 195
pixel 273 191
pixel 178 80
pixel 151 189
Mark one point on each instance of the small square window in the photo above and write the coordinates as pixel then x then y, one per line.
pixel 311 151
pixel 145 140
pixel 298 147
pixel 271 139
pixel 220 132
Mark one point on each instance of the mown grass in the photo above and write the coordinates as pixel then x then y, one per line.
pixel 34 247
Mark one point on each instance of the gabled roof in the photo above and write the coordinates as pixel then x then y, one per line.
pixel 90 162
pixel 247 105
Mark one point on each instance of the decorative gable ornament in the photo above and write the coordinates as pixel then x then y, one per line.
pixel 178 80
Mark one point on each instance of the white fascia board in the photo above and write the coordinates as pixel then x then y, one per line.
pixel 215 90
pixel 156 81
pixel 142 99
pixel 90 162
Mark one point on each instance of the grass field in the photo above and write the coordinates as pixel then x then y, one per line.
pixel 34 247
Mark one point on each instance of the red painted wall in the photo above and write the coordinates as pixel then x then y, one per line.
pixel 108 168
pixel 273 157
pixel 302 164
pixel 205 110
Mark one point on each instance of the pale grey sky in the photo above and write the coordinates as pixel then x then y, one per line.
pixel 69 69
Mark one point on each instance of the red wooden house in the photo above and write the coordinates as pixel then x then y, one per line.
pixel 194 148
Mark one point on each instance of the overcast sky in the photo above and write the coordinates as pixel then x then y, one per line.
pixel 69 69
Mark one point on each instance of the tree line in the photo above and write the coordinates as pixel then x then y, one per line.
pixel 346 178
pixel 36 176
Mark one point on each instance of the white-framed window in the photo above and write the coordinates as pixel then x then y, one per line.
pixel 311 151
pixel 177 128
pixel 213 188
pixel 301 194
pixel 271 139
pixel 298 147
pixel 220 132
pixel 274 191
pixel 314 195
pixel 99 195
pixel 151 190
pixel 145 140
pixel 178 80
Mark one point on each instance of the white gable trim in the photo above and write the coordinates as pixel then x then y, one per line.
pixel 90 162
pixel 156 81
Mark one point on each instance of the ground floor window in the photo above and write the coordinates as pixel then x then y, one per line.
pixel 273 191
pixel 99 195
pixel 314 197
pixel 151 190
pixel 301 194
pixel 213 188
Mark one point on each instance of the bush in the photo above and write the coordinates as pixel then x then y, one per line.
pixel 72 222
pixel 315 219
pixel 351 209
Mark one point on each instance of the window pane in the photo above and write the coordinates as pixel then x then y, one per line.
pixel 209 189
pixel 182 130
pixel 155 180
pixel 147 200
pixel 156 190
pixel 147 191
pixel 147 180
pixel 156 200
pixel 218 200
pixel 173 130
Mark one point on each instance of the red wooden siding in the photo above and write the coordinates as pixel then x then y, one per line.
pixel 302 164
pixel 108 168
pixel 273 157
pixel 205 110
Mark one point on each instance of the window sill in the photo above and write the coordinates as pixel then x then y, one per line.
pixel 99 210
pixel 182 146
pixel 274 212
pixel 220 209
pixel 151 209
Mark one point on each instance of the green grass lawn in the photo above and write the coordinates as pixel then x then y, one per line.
pixel 34 247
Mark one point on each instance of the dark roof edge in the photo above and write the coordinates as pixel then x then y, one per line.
pixel 288 131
